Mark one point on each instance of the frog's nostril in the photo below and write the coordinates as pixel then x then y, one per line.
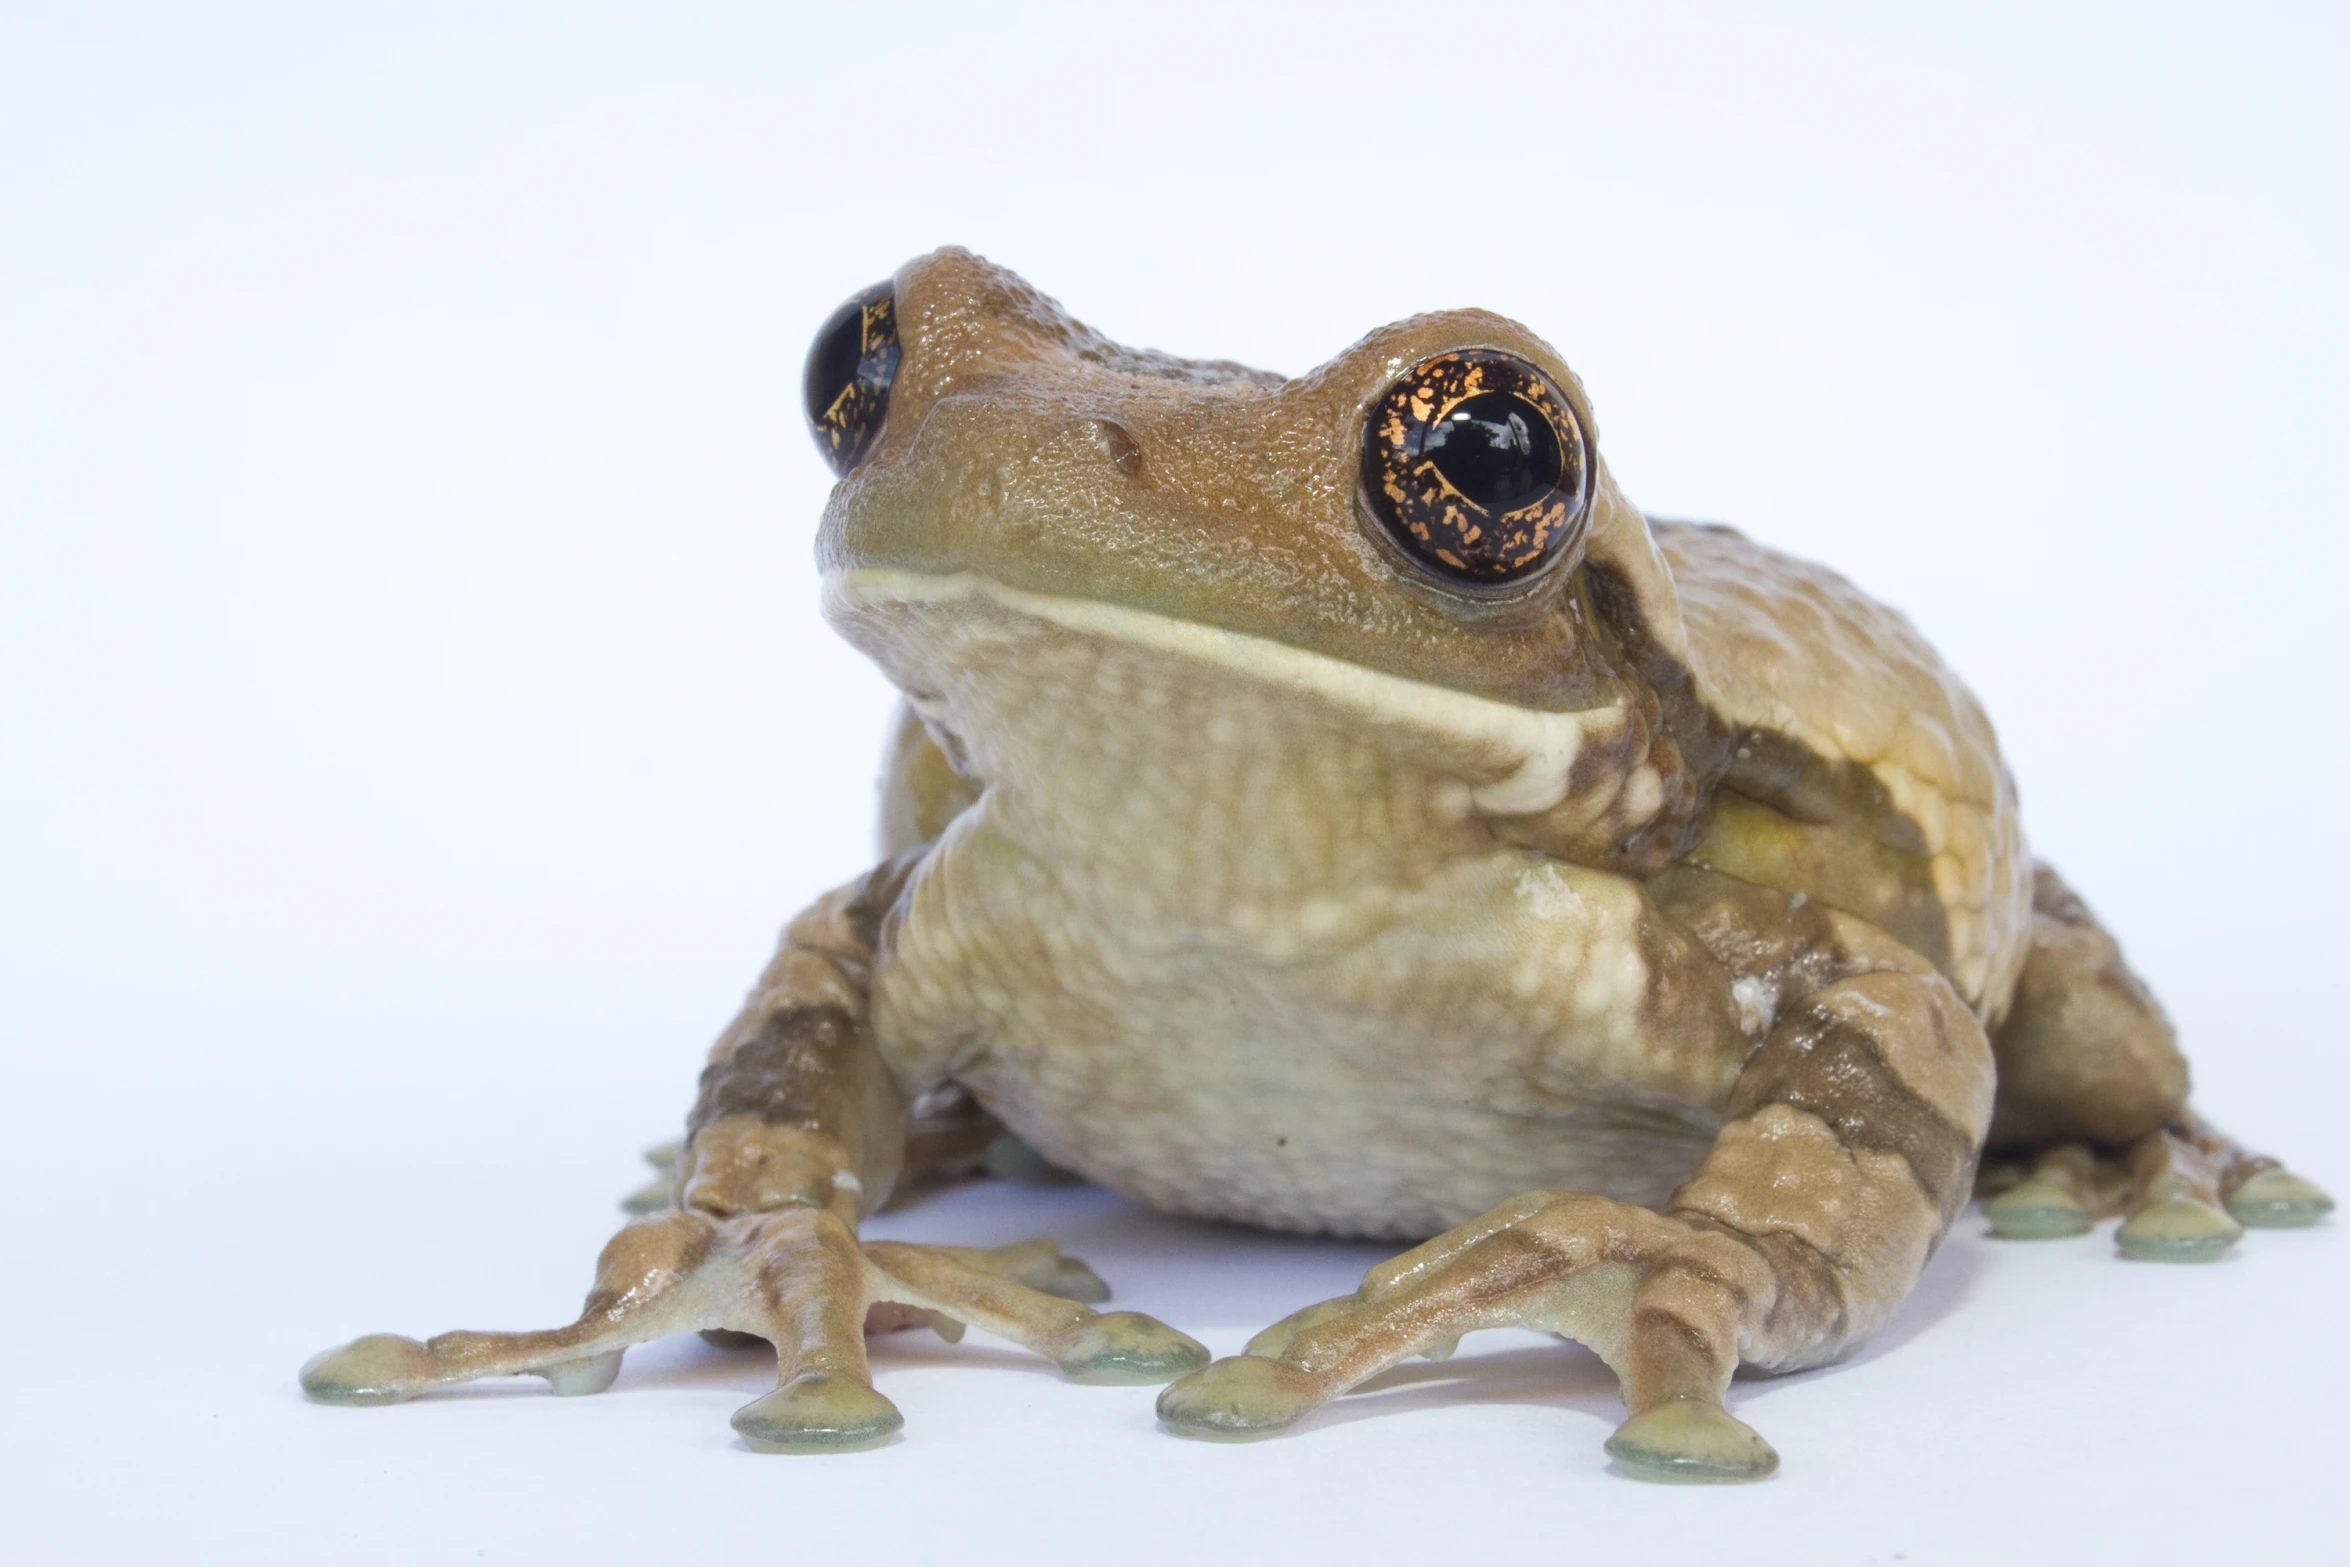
pixel 1119 442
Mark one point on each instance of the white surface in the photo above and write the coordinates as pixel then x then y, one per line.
pixel 417 719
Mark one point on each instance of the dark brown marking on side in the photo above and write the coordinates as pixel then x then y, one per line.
pixel 1696 1267
pixel 1702 736
pixel 868 912
pixel 1819 1062
pixel 1752 929
pixel 1797 944
pixel 1776 812
pixel 1652 1321
pixel 784 1073
pixel 1810 1287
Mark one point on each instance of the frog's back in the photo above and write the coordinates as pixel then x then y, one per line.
pixel 1865 773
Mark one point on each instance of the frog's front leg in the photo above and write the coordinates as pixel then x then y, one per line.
pixel 1849 1147
pixel 798 1131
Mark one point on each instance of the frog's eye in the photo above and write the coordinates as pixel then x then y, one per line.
pixel 854 359
pixel 1474 464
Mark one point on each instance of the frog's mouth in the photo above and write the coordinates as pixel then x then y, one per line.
pixel 1518 760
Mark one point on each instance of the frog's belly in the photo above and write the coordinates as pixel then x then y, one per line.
pixel 1496 1030
pixel 1297 1134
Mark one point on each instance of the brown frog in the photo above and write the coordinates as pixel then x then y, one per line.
pixel 1329 804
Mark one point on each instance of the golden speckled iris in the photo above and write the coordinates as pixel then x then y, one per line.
pixel 1427 515
pixel 850 368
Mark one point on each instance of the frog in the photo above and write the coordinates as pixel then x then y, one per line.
pixel 1328 804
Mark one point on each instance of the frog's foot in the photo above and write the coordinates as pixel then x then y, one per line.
pixel 799 1279
pixel 2063 1192
pixel 2184 1194
pixel 1659 1298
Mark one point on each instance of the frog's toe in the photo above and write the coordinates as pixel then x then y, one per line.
pixel 2185 1194
pixel 2173 1212
pixel 1240 1398
pixel 1004 1292
pixel 2039 1209
pixel 661 1191
pixel 381 1368
pixel 2065 1190
pixel 587 1374
pixel 2178 1228
pixel 1041 1265
pixel 818 1412
pixel 1275 1340
pixel 1690 1442
pixel 1125 1347
pixel 2277 1199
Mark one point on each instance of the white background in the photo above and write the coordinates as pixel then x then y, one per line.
pixel 416 720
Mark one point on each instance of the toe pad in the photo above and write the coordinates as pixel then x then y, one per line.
pixel 1687 1442
pixel 1127 1348
pixel 1238 1399
pixel 2178 1229
pixel 819 1412
pixel 382 1368
pixel 2279 1200
pixel 2036 1210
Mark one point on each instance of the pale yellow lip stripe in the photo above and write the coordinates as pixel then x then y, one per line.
pixel 1544 744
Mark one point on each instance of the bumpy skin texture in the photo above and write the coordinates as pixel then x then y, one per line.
pixel 1234 861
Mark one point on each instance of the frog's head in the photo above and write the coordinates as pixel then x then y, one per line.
pixel 1418 542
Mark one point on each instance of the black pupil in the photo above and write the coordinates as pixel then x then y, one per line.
pixel 1497 450
pixel 833 362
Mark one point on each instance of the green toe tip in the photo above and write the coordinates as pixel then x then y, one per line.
pixel 382 1368
pixel 1242 1398
pixel 1073 1280
pixel 818 1412
pixel 2178 1229
pixel 2037 1224
pixel 1126 1348
pixel 652 1197
pixel 1688 1442
pixel 2034 1212
pixel 2279 1200
pixel 589 1374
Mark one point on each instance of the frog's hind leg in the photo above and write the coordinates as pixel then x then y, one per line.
pixel 949 1138
pixel 2085 1053
pixel 1659 1300
pixel 2091 1116
pixel 1849 1147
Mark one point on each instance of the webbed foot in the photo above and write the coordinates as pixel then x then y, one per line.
pixel 801 1280
pixel 1660 1293
pixel 2184 1194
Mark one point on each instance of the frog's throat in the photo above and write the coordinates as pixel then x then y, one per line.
pixel 1543 744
